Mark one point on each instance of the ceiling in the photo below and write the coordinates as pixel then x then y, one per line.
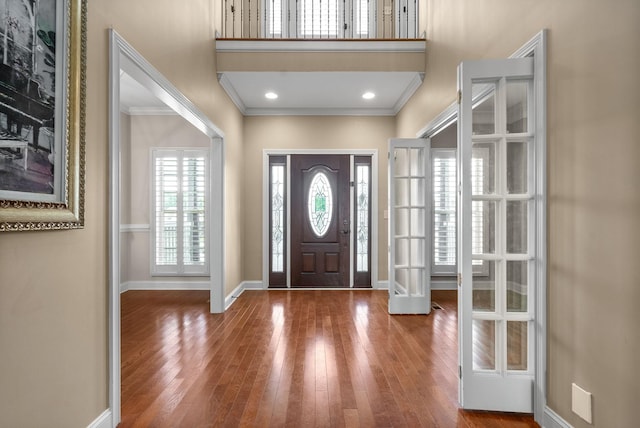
pixel 299 93
pixel 320 93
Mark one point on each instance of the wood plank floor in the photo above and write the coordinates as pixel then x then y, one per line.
pixel 291 358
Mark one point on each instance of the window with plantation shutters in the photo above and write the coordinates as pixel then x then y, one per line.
pixel 444 211
pixel 179 207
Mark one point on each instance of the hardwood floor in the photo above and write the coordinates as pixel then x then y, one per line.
pixel 291 358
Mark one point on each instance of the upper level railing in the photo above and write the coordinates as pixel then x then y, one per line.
pixel 320 19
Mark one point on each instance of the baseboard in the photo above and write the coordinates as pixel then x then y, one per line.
pixel 554 420
pixel 444 285
pixel 164 285
pixel 383 285
pixel 105 420
pixel 231 297
pixel 253 285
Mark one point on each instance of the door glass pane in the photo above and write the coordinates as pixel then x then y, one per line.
pixel 517 171
pixel 417 222
pixel 483 169
pixel 484 286
pixel 517 106
pixel 484 112
pixel 402 281
pixel 401 188
pixel 277 218
pixel 484 344
pixel 417 252
pixel 320 204
pixel 402 252
pixel 401 162
pixel 483 227
pixel 417 192
pixel 417 162
pixel 517 339
pixel 517 214
pixel 517 292
pixel 362 218
pixel 417 282
pixel 402 221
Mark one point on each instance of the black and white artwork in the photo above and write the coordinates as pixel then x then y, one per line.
pixel 31 164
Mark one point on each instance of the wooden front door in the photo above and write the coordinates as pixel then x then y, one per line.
pixel 320 221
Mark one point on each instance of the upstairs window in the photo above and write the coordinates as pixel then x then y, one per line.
pixel 180 212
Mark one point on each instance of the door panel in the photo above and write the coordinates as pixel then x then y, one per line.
pixel 496 250
pixel 320 221
pixel 409 216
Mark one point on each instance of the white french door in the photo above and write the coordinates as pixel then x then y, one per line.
pixel 497 234
pixel 409 226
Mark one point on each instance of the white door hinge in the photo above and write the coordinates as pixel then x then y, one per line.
pixel 459 280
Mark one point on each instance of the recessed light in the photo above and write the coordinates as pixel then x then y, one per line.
pixel 368 95
pixel 271 95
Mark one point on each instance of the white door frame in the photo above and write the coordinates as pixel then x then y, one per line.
pixel 124 57
pixel 266 204
pixel 537 47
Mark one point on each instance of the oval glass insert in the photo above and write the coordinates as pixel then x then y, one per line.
pixel 320 204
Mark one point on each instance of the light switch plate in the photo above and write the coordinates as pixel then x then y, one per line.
pixel 581 402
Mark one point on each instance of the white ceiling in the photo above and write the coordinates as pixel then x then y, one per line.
pixel 320 93
pixel 299 93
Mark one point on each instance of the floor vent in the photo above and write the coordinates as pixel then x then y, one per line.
pixel 435 305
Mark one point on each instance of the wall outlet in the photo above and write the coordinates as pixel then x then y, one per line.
pixel 581 402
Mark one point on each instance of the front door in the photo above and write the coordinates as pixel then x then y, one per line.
pixel 320 220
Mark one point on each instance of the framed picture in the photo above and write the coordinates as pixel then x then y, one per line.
pixel 42 114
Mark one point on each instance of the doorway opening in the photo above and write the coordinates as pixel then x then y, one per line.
pixel 320 219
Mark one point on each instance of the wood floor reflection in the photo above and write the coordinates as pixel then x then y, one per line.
pixel 291 358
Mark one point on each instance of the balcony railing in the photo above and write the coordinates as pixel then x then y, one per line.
pixel 320 19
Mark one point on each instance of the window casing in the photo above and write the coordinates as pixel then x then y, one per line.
pixel 180 189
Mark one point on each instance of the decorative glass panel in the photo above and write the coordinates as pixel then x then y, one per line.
pixel 320 204
pixel 277 218
pixel 362 218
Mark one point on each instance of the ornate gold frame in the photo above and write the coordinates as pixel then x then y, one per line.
pixel 69 214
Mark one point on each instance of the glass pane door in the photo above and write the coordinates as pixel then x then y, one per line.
pixel 496 245
pixel 409 217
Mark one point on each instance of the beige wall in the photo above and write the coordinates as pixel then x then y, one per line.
pixel 302 132
pixel 593 176
pixel 145 133
pixel 53 285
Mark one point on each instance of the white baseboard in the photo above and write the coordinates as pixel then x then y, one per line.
pixel 554 420
pixel 444 285
pixel 164 285
pixel 253 285
pixel 383 285
pixel 103 421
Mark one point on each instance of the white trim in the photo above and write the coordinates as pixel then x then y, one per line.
pixel 149 111
pixel 265 204
pixel 164 285
pixel 411 89
pixel 134 228
pixel 123 56
pixel 554 420
pixel 105 420
pixel 322 111
pixel 382 285
pixel 320 46
pixel 231 91
pixel 252 285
